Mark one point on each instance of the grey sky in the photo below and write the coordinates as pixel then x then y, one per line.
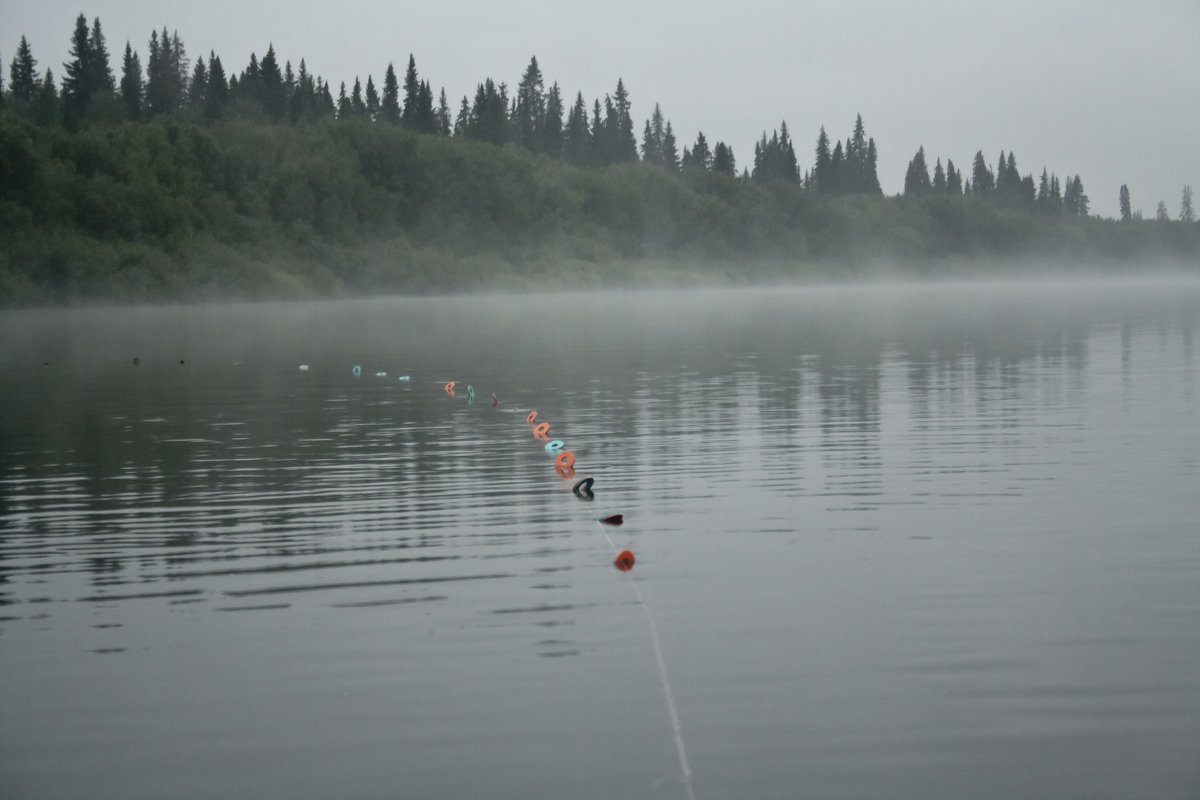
pixel 1108 90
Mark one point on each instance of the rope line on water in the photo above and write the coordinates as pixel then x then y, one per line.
pixel 624 560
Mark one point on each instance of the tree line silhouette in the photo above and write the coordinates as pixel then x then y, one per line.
pixel 182 179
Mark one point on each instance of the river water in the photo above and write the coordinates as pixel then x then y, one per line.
pixel 903 542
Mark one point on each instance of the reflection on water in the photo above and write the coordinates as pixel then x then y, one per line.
pixel 908 542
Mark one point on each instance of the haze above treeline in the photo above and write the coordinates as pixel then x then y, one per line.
pixel 182 180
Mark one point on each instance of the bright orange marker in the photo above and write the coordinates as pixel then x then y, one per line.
pixel 624 561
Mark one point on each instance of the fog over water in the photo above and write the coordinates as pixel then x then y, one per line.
pixel 908 541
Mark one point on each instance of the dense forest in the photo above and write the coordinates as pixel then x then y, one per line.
pixel 183 181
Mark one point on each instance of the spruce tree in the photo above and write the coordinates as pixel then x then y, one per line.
pixel 372 99
pixel 358 108
pixel 462 123
pixel 131 84
pixel 489 113
pixel 670 150
pixel 954 183
pixel 822 168
pixel 412 91
pixel 982 180
pixel 872 177
pixel 426 116
pixel 916 180
pixel 102 77
pixel 77 84
pixel 701 156
pixel 1123 201
pixel 1186 213
pixel 47 110
pixel 24 83
pixel 723 162
pixel 274 94
pixel 218 89
pixel 198 90
pixel 624 144
pixel 445 121
pixel 1075 202
pixel 577 138
pixel 1161 214
pixel 837 169
pixel 390 110
pixel 552 123
pixel 652 138
pixel 939 178
pixel 529 112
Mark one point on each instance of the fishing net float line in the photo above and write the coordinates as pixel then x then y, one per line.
pixel 624 560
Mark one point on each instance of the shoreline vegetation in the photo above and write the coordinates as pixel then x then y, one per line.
pixel 183 185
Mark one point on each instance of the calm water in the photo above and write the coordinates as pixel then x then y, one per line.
pixel 928 542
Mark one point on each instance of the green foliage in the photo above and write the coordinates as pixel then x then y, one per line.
pixel 189 185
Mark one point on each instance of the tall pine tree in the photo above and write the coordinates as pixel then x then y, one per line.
pixel 390 110
pixel 131 84
pixel 23 80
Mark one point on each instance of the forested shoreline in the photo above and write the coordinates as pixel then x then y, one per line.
pixel 183 184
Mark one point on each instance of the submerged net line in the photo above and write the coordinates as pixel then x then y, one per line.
pixel 664 678
pixel 668 694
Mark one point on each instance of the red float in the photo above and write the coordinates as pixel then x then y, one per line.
pixel 624 561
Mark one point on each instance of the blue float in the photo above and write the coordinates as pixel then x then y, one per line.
pixel 357 370
pixel 554 446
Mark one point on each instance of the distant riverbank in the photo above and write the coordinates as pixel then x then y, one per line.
pixel 172 211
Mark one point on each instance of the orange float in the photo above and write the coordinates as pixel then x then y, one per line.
pixel 450 388
pixel 541 429
pixel 624 561
pixel 565 460
pixel 532 416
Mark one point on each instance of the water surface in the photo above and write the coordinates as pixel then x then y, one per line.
pixel 924 541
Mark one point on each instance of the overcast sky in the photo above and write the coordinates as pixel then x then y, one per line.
pixel 1107 90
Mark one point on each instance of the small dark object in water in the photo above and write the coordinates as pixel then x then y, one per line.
pixel 613 519
pixel 583 488
pixel 136 361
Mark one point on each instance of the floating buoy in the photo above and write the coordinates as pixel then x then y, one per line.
pixel 555 446
pixel 624 561
pixel 541 429
pixel 564 460
pixel 450 388
pixel 532 416
pixel 357 370
pixel 613 519
pixel 404 378
pixel 136 361
pixel 380 374
pixel 304 367
pixel 471 393
pixel 584 488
